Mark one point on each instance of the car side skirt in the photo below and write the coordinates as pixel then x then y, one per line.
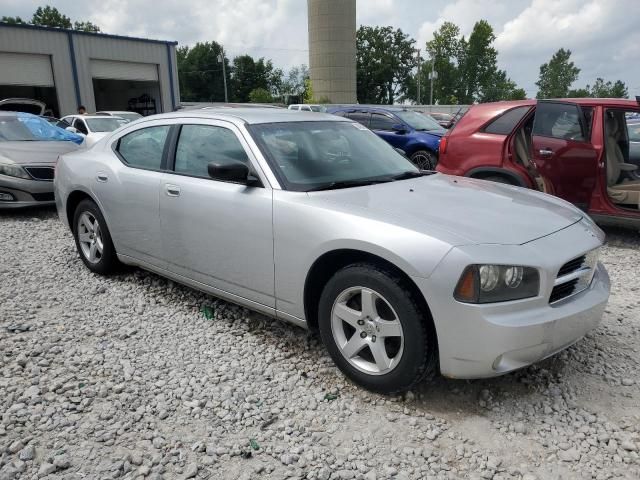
pixel 216 292
pixel 616 220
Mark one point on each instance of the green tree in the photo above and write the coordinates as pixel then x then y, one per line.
pixel 557 76
pixel 501 87
pixel 444 50
pixel 12 20
pixel 50 17
pixel 260 95
pixel 385 59
pixel 86 27
pixel 200 72
pixel 602 89
pixel 477 63
pixel 248 75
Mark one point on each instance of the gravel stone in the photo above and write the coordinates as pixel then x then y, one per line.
pixel 125 377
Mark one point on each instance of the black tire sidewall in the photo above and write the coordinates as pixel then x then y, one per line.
pixel 418 345
pixel 109 260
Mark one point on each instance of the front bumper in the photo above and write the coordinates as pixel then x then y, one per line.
pixel 26 193
pixel 478 341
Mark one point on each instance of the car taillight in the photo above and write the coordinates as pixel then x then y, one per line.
pixel 443 145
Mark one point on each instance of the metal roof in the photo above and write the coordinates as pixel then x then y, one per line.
pixel 253 115
pixel 80 32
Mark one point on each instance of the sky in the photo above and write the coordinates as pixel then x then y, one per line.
pixel 604 35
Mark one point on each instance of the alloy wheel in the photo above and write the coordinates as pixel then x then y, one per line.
pixel 424 161
pixel 90 237
pixel 367 330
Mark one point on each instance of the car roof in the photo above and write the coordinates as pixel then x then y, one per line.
pixel 77 115
pixel 251 115
pixel 111 111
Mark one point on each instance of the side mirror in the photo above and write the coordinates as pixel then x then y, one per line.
pixel 72 129
pixel 399 128
pixel 237 172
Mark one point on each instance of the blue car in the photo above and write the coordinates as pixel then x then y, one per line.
pixel 414 133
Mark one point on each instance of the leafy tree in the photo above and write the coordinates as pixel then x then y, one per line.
pixel 579 93
pixel 200 72
pixel 247 75
pixel 86 27
pixel 500 87
pixel 385 58
pixel 12 20
pixel 602 89
pixel 557 76
pixel 444 50
pixel 477 63
pixel 260 95
pixel 50 17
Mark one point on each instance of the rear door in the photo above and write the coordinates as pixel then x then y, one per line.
pixel 383 124
pixel 562 150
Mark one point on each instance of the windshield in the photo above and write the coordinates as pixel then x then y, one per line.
pixel 103 124
pixel 419 121
pixel 318 108
pixel 24 127
pixel 315 155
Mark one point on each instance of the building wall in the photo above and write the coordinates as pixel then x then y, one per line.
pixel 59 44
pixel 332 49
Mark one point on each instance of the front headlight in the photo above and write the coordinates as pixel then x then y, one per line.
pixel 497 283
pixel 13 170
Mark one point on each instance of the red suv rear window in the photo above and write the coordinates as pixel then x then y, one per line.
pixel 505 123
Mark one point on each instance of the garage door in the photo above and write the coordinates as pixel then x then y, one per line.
pixel 25 69
pixel 108 69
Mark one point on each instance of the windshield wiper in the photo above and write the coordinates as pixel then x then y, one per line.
pixel 347 184
pixel 412 174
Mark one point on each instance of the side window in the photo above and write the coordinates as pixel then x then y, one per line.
pixel 199 145
pixel 558 120
pixel 380 121
pixel 79 124
pixel 305 108
pixel 143 148
pixel 505 123
pixel 360 117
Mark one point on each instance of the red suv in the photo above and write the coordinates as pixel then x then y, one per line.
pixel 584 150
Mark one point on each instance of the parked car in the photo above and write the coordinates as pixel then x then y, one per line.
pixel 29 148
pixel 128 116
pixel 307 107
pixel 315 220
pixel 581 150
pixel 416 134
pixel 26 105
pixel 56 122
pixel 94 127
pixel 445 120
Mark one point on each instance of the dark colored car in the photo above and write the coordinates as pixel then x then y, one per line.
pixel 583 150
pixel 445 120
pixel 416 134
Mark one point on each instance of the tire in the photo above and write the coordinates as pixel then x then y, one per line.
pixel 497 179
pixel 424 159
pixel 410 351
pixel 99 260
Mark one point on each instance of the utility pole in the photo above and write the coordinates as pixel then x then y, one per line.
pixel 432 76
pixel 224 75
pixel 418 77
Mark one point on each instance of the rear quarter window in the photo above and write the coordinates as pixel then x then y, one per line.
pixel 505 123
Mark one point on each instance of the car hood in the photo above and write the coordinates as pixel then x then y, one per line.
pixel 34 152
pixel 458 210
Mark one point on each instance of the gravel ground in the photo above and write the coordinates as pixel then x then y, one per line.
pixel 127 377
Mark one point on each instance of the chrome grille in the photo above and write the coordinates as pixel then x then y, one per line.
pixel 40 173
pixel 574 276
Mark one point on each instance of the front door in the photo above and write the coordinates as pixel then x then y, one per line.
pixel 217 233
pixel 384 124
pixel 562 151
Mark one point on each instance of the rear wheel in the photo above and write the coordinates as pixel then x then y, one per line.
pixel 424 160
pixel 497 179
pixel 375 330
pixel 93 240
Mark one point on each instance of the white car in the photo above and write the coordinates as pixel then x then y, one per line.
pixel 128 116
pixel 94 127
pixel 307 107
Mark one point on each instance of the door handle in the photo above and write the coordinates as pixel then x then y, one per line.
pixel 102 177
pixel 172 190
pixel 545 152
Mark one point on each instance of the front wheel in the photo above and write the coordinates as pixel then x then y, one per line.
pixel 375 329
pixel 424 160
pixel 93 240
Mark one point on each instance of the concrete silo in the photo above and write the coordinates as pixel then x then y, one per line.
pixel 332 49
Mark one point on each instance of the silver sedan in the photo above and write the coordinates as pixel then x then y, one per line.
pixel 314 220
